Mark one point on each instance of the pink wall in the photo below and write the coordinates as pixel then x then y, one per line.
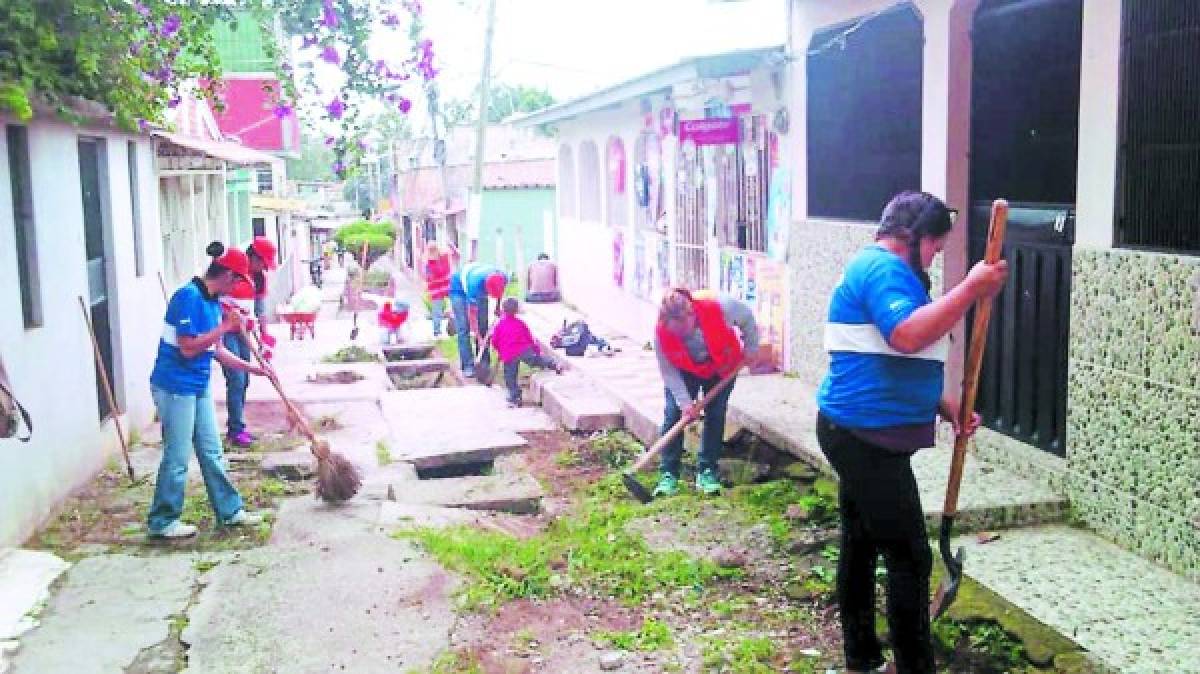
pixel 249 115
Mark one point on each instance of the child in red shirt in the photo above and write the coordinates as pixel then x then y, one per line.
pixel 515 345
pixel 391 319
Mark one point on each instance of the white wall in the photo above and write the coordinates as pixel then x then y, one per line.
pixel 1099 112
pixel 52 366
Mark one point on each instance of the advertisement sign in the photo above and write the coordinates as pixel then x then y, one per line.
pixel 716 131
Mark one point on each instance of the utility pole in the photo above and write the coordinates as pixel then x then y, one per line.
pixel 475 204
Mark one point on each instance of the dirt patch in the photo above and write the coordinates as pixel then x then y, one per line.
pixel 557 635
pixel 550 459
pixel 108 514
pixel 405 382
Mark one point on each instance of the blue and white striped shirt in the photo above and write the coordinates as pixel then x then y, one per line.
pixel 870 384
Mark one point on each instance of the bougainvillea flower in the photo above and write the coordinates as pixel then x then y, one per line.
pixel 336 108
pixel 141 9
pixel 405 105
pixel 330 55
pixel 330 140
pixel 135 48
pixel 391 20
pixel 283 110
pixel 309 41
pixel 143 125
pixel 170 25
pixel 174 102
pixel 329 17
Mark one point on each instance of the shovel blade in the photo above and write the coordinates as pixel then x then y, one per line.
pixel 635 488
pixel 948 588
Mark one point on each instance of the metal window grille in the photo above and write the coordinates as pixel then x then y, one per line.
pixel 1158 202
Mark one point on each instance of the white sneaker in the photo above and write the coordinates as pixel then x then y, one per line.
pixel 176 529
pixel 244 519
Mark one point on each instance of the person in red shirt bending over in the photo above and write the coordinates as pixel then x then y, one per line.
pixel 515 345
pixel 437 283
pixel 248 296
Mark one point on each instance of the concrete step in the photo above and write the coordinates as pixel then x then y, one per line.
pixel 1130 614
pixel 412 368
pixel 401 352
pixel 517 494
pixel 578 404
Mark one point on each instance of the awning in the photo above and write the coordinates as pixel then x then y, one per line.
pixel 220 149
pixel 269 203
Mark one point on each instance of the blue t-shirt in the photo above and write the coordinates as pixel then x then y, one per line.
pixel 871 385
pixel 469 281
pixel 190 313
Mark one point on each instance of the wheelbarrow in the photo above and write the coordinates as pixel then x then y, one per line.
pixel 299 322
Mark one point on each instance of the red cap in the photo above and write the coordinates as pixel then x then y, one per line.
pixel 235 261
pixel 265 250
pixel 495 285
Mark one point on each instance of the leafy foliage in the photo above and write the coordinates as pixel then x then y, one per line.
pixel 504 101
pixel 379 236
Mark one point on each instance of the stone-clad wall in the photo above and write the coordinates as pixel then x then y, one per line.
pixel 1133 423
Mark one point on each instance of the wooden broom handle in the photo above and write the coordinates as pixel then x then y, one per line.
pixel 979 331
pixel 106 386
pixel 293 412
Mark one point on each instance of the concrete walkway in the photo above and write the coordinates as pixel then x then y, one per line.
pixel 331 590
pixel 1132 615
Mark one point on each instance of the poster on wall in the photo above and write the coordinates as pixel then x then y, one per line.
pixel 761 283
pixel 662 265
pixel 618 270
pixel 779 214
pixel 641 267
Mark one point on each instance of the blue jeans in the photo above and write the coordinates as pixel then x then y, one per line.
pixel 189 423
pixel 435 314
pixel 513 367
pixel 459 305
pixel 236 383
pixel 712 438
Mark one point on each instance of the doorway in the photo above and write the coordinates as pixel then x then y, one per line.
pixel 93 181
pixel 1024 148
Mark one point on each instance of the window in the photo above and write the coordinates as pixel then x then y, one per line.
pixel 614 179
pixel 864 113
pixel 567 192
pixel 266 180
pixel 259 225
pixel 135 209
pixel 26 234
pixel 590 184
pixel 1159 165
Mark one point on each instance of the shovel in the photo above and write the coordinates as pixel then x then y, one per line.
pixel 629 477
pixel 948 589
pixel 483 375
pixel 362 273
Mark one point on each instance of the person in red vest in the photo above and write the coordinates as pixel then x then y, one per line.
pixel 249 297
pixel 697 345
pixel 437 283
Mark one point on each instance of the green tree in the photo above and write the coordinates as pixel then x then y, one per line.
pixel 504 101
pixel 315 162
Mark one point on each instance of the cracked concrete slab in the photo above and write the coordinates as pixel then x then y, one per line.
pixel 578 404
pixel 25 580
pixel 519 494
pixel 364 603
pixel 109 609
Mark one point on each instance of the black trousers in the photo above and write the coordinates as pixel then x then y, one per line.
pixel 881 514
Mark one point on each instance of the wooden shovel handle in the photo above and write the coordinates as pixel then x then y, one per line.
pixel 106 386
pixel 979 330
pixel 675 430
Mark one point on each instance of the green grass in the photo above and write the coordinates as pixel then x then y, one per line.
pixel 589 548
pixel 383 455
pixel 452 662
pixel 768 503
pixel 351 354
pixel 448 347
pixel 652 636
pixel 744 655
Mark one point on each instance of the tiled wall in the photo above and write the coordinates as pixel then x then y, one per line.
pixel 1133 424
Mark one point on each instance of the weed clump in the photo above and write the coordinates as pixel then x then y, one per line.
pixel 351 354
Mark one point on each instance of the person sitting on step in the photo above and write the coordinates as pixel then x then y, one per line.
pixel 515 345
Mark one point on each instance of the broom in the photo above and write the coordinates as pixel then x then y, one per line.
pixel 337 478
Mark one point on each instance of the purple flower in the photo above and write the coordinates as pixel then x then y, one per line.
pixel 362 145
pixel 339 168
pixel 309 41
pixel 329 17
pixel 330 55
pixel 174 102
pixel 283 110
pixel 391 20
pixel 135 48
pixel 170 25
pixel 330 140
pixel 380 66
pixel 405 105
pixel 143 125
pixel 390 98
pixel 164 74
pixel 336 108
pixel 141 9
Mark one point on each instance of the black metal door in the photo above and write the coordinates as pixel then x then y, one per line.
pixel 1024 147
pixel 91 181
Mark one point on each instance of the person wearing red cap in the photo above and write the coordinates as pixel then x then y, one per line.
pixel 193 329
pixel 248 297
pixel 470 287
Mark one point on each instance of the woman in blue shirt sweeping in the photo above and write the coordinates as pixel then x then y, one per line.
pixel 192 337
pixel 888 342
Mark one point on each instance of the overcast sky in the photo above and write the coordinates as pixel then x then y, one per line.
pixel 572 47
